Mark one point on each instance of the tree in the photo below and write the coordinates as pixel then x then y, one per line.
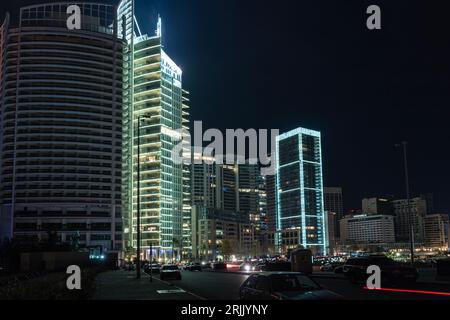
pixel 227 248
pixel 129 252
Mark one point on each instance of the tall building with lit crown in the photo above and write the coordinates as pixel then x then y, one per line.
pixel 158 99
pixel 299 190
pixel 61 107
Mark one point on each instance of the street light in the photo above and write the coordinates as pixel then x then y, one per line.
pixel 138 215
pixel 411 236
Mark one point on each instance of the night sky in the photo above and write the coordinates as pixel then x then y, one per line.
pixel 284 64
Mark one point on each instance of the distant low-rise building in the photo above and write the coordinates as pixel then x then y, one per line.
pixel 364 229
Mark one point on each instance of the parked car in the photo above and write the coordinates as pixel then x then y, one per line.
pixel 339 269
pixel 193 267
pixel 330 267
pixel 155 268
pixel 219 266
pixel 274 266
pixel 284 286
pixel 247 266
pixel 206 265
pixel 170 271
pixel 355 269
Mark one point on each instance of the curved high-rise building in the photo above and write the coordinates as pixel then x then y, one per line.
pixel 61 125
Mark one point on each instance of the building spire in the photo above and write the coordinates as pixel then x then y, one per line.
pixel 159 27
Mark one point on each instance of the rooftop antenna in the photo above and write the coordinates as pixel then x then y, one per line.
pixel 159 27
pixel 137 25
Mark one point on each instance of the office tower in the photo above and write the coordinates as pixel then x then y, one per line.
pixel 409 216
pixel 205 182
pixel 378 205
pixel 218 233
pixel 436 231
pixel 262 202
pixel 271 203
pixel 157 99
pixel 248 184
pixel 367 229
pixel 429 199
pixel 6 225
pixel 334 203
pixel 299 189
pixel 230 189
pixel 222 186
pixel 330 224
pixel 61 107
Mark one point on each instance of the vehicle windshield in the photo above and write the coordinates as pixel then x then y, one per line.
pixel 288 282
pixel 170 268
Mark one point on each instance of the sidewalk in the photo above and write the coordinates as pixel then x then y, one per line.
pixel 123 285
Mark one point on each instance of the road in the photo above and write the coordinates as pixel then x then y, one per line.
pixel 225 286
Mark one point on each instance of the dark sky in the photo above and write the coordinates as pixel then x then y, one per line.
pixel 289 63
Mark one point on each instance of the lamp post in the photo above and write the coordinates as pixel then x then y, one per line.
pixel 138 193
pixel 408 210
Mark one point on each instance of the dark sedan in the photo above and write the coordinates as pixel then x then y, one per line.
pixel 355 269
pixel 170 271
pixel 154 268
pixel 193 267
pixel 284 286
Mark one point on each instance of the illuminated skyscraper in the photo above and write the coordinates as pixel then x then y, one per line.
pixel 299 191
pixel 61 126
pixel 159 100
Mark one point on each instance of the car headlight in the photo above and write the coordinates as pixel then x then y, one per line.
pixel 247 267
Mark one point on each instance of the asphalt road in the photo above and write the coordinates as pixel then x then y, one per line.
pixel 225 286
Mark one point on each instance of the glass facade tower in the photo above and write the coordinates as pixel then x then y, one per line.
pixel 299 191
pixel 61 120
pixel 158 99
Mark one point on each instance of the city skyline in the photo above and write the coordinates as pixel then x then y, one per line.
pixel 106 194
pixel 360 127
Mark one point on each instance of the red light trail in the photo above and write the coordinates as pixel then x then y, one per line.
pixel 411 291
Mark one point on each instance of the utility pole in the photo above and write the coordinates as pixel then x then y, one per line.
pixel 408 206
pixel 138 218
pixel 138 193
pixel 151 262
